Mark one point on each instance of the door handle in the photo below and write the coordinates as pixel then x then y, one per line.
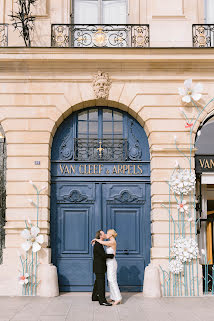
pixel 126 252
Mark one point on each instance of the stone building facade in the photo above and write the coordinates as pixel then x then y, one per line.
pixel 42 86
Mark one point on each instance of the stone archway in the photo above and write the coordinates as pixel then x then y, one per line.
pixel 89 193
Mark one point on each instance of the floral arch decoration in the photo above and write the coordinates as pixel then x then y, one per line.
pixel 181 278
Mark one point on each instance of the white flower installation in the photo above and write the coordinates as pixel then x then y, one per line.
pixel 182 207
pixel 24 279
pixel 185 249
pixel 190 92
pixel 176 266
pixel 33 239
pixel 182 181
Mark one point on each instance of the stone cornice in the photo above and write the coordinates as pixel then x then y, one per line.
pixel 136 59
pixel 113 54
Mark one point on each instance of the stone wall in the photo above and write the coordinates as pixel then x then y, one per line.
pixel 39 89
pixel 170 21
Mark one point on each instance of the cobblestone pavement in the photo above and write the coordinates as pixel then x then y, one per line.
pixel 78 307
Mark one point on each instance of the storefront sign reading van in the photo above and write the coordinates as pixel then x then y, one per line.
pixel 204 163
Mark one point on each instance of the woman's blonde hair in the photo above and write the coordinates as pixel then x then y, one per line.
pixel 113 233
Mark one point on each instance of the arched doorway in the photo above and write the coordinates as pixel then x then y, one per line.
pixel 100 179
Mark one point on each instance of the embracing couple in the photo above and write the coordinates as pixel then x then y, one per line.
pixel 105 261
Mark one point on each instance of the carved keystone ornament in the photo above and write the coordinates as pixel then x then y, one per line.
pixel 101 84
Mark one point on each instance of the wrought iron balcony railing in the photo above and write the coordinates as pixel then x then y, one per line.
pixel 3 35
pixel 203 35
pixel 100 149
pixel 64 35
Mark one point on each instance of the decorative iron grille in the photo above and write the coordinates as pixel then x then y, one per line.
pixel 2 195
pixel 203 35
pixel 65 35
pixel 3 35
pixel 100 149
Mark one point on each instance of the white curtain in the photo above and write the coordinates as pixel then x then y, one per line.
pixel 114 11
pixel 86 11
pixel 210 11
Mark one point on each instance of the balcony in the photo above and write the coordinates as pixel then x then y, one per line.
pixel 107 36
pixel 100 36
pixel 3 35
pixel 203 35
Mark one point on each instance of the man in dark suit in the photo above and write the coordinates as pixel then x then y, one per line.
pixel 100 268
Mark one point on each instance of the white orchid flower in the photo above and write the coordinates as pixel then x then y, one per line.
pixel 32 239
pixel 190 92
pixel 23 279
pixel 182 206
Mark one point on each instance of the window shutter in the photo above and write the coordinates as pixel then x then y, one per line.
pixel 114 11
pixel 86 12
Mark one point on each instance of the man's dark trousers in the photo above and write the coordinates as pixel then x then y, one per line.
pixel 99 287
pixel 100 268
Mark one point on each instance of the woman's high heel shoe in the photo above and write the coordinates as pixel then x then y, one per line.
pixel 117 302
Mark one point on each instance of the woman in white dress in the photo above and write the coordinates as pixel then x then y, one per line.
pixel 115 295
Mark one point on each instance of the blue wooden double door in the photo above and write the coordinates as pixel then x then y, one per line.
pixel 82 208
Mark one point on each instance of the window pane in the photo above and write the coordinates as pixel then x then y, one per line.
pixel 118 116
pixel 93 115
pixel 82 136
pixel 107 114
pixel 114 11
pixel 95 135
pixel 93 127
pixel 83 115
pixel 82 127
pixel 118 128
pixel 107 128
pixel 108 136
pixel 86 11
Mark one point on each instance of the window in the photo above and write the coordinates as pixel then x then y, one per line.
pixel 209 11
pixel 100 135
pixel 100 124
pixel 100 11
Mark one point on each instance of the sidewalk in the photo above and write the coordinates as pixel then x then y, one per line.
pixel 78 307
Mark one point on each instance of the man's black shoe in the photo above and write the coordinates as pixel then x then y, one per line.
pixel 95 298
pixel 107 304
